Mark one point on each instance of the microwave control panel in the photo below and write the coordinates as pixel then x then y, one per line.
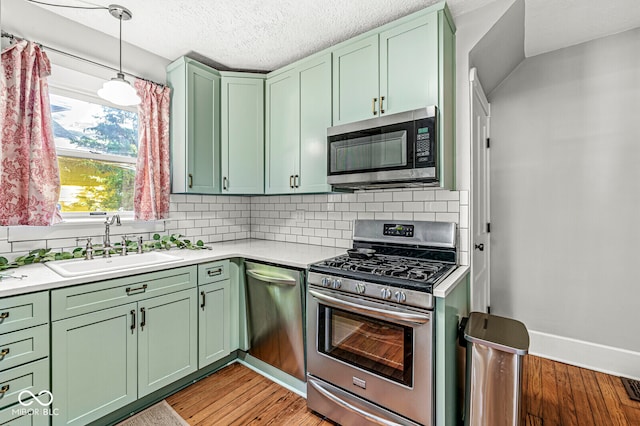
pixel 425 143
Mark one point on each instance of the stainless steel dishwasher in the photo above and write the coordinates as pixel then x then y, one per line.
pixel 275 311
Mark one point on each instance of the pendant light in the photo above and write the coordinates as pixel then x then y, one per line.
pixel 118 90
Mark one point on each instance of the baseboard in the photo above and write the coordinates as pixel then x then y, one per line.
pixel 606 359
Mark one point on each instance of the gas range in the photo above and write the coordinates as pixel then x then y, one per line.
pixel 370 328
pixel 410 259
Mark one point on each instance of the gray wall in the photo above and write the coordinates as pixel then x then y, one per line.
pixel 565 192
pixel 501 49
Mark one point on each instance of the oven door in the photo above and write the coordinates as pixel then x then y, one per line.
pixel 379 352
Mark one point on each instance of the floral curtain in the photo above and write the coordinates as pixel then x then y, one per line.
pixel 153 177
pixel 29 179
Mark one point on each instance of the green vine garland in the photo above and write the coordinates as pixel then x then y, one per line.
pixel 158 243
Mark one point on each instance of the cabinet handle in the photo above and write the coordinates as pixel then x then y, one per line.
pixel 4 352
pixel 296 181
pixel 203 300
pixel 214 272
pixel 133 320
pixel 4 315
pixel 381 105
pixel 143 322
pixel 130 291
pixel 225 185
pixel 291 181
pixel 190 180
pixel 373 106
pixel 4 389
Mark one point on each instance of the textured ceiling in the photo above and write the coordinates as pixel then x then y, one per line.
pixel 267 34
pixel 250 34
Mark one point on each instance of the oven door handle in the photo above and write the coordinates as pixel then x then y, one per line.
pixel 344 404
pixel 412 318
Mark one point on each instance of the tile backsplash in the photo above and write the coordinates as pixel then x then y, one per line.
pixel 322 219
pixel 327 219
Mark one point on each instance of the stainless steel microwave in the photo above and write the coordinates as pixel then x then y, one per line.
pixel 389 151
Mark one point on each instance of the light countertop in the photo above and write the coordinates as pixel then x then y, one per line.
pixel 39 277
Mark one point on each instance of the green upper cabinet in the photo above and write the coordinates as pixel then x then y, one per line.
pixel 242 126
pixel 355 86
pixel 195 127
pixel 282 132
pixel 298 111
pixel 409 65
pixel 393 70
pixel 315 116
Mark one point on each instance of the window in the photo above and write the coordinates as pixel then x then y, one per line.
pixel 97 146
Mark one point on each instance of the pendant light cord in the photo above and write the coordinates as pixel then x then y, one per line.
pixel 67 6
pixel 120 42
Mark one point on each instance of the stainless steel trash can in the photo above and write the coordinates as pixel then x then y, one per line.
pixel 495 347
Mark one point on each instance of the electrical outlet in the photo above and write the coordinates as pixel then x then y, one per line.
pixel 299 216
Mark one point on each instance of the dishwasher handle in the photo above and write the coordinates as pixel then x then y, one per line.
pixel 271 279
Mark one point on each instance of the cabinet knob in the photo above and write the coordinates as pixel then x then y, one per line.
pixel 190 180
pixel 373 106
pixel 296 181
pixel 479 247
pixel 381 104
pixel 225 183
pixel 291 181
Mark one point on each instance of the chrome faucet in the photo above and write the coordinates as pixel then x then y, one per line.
pixel 107 242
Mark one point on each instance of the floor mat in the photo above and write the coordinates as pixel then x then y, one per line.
pixel 159 414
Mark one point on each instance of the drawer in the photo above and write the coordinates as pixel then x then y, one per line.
pixel 27 310
pixel 20 347
pixel 18 415
pixel 213 272
pixel 33 377
pixel 82 299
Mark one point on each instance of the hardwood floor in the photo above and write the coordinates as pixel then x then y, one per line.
pixel 552 394
pixel 237 395
pixel 559 394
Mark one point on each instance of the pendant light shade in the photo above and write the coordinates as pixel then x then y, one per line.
pixel 118 90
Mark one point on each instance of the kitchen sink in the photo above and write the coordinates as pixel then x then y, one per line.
pixel 77 267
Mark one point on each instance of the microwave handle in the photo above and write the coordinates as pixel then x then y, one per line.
pixel 411 318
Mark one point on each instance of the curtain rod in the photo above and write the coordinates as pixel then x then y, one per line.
pixel 80 58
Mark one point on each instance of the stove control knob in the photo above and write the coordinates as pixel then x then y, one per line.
pixel 400 296
pixel 385 293
pixel 360 288
pixel 326 282
pixel 336 284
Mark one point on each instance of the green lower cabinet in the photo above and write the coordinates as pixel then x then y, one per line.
pixel 215 322
pixel 107 359
pixel 167 333
pixel 94 364
pixel 16 415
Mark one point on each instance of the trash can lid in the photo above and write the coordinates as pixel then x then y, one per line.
pixel 501 333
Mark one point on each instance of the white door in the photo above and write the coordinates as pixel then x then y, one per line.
pixel 480 247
